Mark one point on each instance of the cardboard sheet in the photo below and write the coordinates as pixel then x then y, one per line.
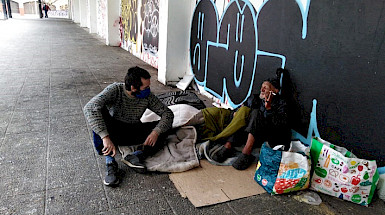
pixel 210 184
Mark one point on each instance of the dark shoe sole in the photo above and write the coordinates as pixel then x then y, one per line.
pixel 136 168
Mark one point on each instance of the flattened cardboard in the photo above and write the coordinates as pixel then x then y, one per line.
pixel 211 184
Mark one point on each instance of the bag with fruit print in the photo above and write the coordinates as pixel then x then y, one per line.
pixel 284 171
pixel 337 172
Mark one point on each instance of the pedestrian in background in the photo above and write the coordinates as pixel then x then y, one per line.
pixel 46 8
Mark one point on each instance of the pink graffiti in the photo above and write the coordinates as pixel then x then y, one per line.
pixel 150 59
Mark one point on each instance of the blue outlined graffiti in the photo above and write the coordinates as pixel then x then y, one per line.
pixel 233 38
pixel 313 129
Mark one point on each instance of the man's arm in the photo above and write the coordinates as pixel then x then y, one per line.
pixel 93 109
pixel 165 122
pixel 93 113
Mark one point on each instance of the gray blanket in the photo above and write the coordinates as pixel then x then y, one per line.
pixel 178 155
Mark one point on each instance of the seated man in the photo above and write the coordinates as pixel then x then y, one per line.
pixel 268 122
pixel 114 116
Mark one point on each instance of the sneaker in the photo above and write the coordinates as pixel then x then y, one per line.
pixel 243 161
pixel 111 178
pixel 221 154
pixel 133 160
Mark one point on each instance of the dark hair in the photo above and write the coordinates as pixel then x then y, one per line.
pixel 274 82
pixel 133 77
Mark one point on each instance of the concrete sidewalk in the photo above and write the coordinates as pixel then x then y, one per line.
pixel 49 69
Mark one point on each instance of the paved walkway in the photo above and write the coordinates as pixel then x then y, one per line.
pixel 49 69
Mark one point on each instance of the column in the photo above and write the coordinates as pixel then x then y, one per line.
pixel 174 39
pixel 113 32
pixel 83 13
pixel 76 11
pixel 92 16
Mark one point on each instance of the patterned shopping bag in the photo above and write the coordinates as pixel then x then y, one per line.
pixel 339 173
pixel 284 171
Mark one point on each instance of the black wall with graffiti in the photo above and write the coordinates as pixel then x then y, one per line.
pixel 334 50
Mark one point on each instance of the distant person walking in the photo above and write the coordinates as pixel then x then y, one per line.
pixel 46 8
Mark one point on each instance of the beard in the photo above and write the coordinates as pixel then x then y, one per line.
pixel 262 95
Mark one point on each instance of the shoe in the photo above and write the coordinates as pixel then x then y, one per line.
pixel 111 178
pixel 243 161
pixel 135 162
pixel 221 154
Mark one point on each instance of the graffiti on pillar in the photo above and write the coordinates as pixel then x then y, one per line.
pixel 150 25
pixel 224 51
pixel 102 18
pixel 140 29
pixel 130 20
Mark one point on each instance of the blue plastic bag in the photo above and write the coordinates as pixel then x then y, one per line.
pixel 284 171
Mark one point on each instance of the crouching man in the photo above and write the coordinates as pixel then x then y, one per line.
pixel 114 116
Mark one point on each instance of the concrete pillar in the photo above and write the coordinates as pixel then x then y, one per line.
pixel 70 9
pixel 76 11
pixel 9 8
pixel 83 13
pixel 36 9
pixel 4 9
pixel 92 5
pixel 21 9
pixel 174 38
pixel 88 14
pixel 162 49
pixel 113 33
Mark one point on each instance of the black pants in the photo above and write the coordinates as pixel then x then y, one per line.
pixel 263 130
pixel 126 134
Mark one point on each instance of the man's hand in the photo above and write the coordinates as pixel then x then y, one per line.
pixel 151 139
pixel 268 99
pixel 109 147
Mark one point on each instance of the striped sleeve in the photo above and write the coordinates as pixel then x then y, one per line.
pixel 93 109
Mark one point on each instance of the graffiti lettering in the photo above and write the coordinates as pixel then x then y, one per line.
pixel 130 20
pixel 150 16
pixel 232 40
pixel 313 129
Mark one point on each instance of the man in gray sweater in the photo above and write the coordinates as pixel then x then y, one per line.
pixel 114 116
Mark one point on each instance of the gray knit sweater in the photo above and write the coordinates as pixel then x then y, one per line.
pixel 124 108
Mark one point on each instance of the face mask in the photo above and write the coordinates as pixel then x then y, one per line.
pixel 143 93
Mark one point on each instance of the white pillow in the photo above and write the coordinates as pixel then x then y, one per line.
pixel 182 114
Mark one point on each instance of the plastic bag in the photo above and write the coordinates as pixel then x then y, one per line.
pixel 282 172
pixel 308 197
pixel 347 178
